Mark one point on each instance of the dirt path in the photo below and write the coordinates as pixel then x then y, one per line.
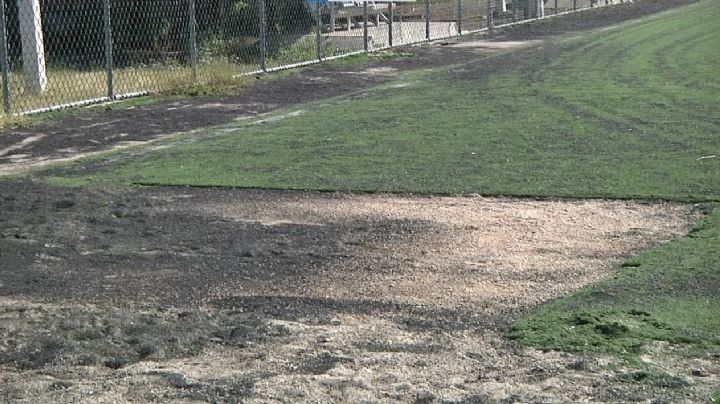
pixel 168 294
pixel 87 133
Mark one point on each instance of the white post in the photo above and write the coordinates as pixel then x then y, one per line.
pixel 537 8
pixel 504 6
pixel 33 49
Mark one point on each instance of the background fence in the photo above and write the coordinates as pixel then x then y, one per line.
pixel 57 53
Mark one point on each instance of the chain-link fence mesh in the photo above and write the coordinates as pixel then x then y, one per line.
pixel 65 52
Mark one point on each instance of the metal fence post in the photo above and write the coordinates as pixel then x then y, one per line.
pixel 459 17
pixel 4 60
pixel 556 7
pixel 427 19
pixel 192 40
pixel 318 36
pixel 390 23
pixel 574 5
pixel 365 26
pixel 107 29
pixel 490 22
pixel 262 24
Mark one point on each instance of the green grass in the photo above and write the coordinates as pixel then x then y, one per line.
pixel 625 113
pixel 622 114
pixel 666 294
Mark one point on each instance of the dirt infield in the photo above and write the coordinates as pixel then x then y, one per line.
pixel 167 294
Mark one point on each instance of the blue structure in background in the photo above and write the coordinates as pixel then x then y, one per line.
pixel 325 2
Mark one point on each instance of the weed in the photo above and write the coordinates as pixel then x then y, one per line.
pixel 67 85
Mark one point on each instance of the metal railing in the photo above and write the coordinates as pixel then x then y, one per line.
pixel 61 53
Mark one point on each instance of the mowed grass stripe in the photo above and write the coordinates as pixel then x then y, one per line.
pixel 594 117
pixel 634 71
pixel 670 293
pixel 633 64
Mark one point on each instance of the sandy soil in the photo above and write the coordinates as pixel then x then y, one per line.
pixel 177 294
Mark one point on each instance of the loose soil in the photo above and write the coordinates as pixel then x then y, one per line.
pixel 221 295
pixel 187 294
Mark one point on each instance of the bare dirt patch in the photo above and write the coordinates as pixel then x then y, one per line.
pixel 182 294
pixel 484 45
pixel 465 252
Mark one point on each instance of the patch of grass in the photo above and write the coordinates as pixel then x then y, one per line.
pixel 72 182
pixel 216 79
pixel 666 294
pixel 657 378
pixel 216 82
pixel 296 50
pixel 610 115
pixel 66 85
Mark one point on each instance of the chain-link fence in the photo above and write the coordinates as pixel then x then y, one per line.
pixel 56 53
